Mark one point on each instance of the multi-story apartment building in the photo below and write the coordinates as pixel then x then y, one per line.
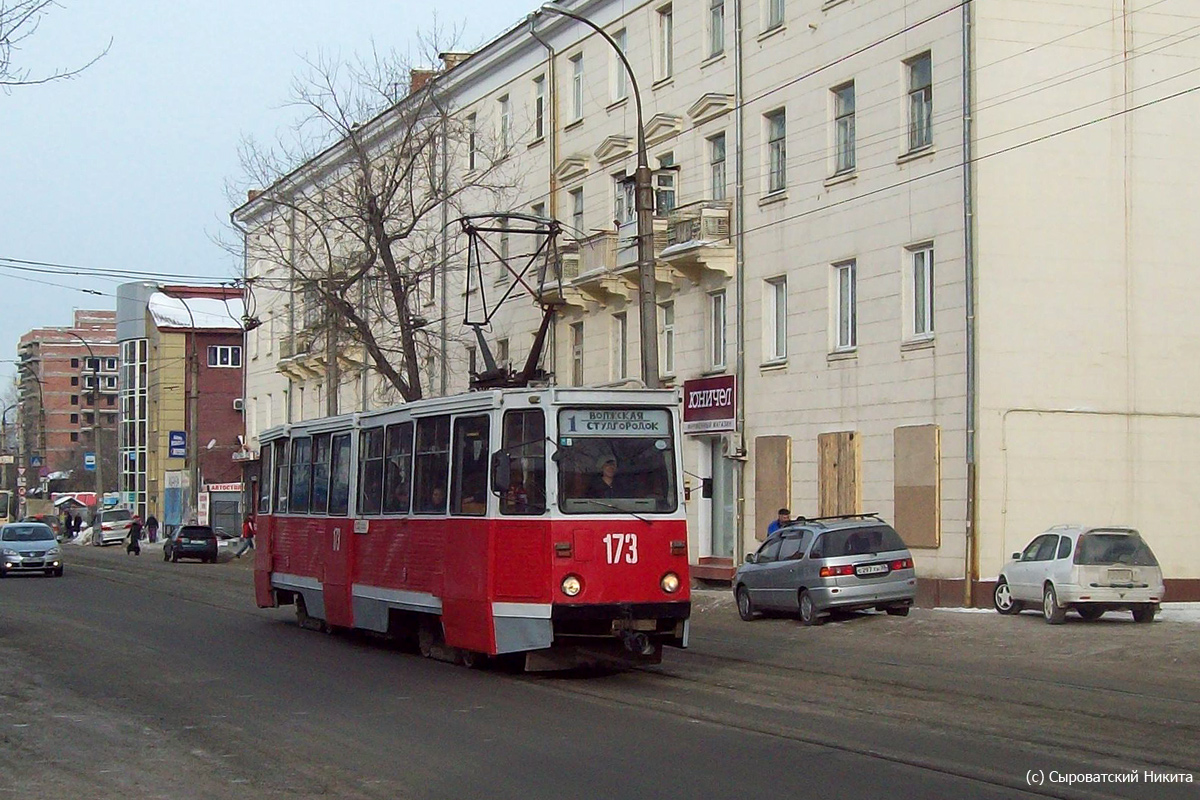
pixel 936 249
pixel 63 413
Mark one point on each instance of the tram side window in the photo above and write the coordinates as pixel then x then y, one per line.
pixel 339 479
pixel 282 473
pixel 265 474
pixel 320 474
pixel 301 474
pixel 471 454
pixel 397 471
pixel 370 490
pixel 525 443
pixel 433 464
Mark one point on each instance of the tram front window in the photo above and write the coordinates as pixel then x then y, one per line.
pixel 615 460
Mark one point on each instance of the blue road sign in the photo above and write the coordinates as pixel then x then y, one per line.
pixel 35 461
pixel 89 461
pixel 177 444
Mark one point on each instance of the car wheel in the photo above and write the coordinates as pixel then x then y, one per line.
pixel 1090 613
pixel 1145 613
pixel 472 660
pixel 1051 610
pixel 808 611
pixel 897 611
pixel 745 604
pixel 1002 599
pixel 302 618
pixel 58 573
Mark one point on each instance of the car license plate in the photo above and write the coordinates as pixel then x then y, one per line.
pixel 1120 575
pixel 185 541
pixel 871 569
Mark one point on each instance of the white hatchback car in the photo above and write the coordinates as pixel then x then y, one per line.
pixel 1090 570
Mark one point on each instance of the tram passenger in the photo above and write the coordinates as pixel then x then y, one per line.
pixel 604 484
pixel 436 501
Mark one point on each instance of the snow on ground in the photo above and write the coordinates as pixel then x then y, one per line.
pixel 1171 612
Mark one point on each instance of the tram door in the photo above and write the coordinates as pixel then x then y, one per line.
pixel 330 494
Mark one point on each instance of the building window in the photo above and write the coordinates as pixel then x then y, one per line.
pixel 716 27
pixel 716 166
pixel 775 13
pixel 74 399
pixel 843 123
pixel 502 360
pixel 74 419
pixel 505 124
pixel 577 354
pixel 538 210
pixel 775 316
pixel 110 365
pixel 502 262
pixel 664 185
pixel 92 364
pixel 921 286
pixel 472 141
pixel 577 211
pixel 668 338
pixel 845 311
pixel 539 106
pixel 74 380
pixel 716 330
pixel 430 274
pixel 620 75
pixel 666 43
pixel 620 346
pixel 224 356
pixel 920 102
pixel 74 363
pixel 776 151
pixel 577 87
pixel 624 208
pixel 74 436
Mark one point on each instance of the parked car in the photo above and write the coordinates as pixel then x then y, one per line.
pixel 113 524
pixel 1088 570
pixel 191 541
pixel 815 566
pixel 29 547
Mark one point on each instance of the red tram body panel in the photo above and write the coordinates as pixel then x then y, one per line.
pixel 542 522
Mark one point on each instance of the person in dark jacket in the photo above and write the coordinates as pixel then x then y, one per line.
pixel 151 529
pixel 135 537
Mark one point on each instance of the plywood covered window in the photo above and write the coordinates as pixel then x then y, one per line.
pixel 917 485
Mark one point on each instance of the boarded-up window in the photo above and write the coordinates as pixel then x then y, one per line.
pixel 839 473
pixel 917 485
pixel 772 480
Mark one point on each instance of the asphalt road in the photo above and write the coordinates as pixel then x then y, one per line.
pixel 130 677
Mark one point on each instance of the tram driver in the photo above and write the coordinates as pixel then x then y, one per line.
pixel 604 483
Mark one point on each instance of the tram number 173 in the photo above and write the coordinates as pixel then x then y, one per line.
pixel 620 547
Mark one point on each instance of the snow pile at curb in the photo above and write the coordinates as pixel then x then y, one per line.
pixel 1171 612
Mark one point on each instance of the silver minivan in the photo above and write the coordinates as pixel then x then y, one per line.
pixel 814 566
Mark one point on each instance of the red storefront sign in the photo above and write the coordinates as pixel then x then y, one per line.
pixel 709 405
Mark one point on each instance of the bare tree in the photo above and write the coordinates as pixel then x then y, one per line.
pixel 19 20
pixel 357 201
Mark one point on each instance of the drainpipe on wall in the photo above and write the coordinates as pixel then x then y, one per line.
pixel 971 556
pixel 443 331
pixel 552 179
pixel 739 249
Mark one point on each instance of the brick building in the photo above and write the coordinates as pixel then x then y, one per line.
pixel 58 370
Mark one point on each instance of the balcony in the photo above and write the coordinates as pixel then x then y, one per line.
pixel 699 242
pixel 556 290
pixel 297 359
pixel 627 254
pixel 596 279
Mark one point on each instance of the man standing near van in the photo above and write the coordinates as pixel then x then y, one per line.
pixel 781 521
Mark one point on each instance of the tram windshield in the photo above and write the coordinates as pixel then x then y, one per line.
pixel 615 460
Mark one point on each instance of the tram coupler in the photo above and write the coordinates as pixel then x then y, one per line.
pixel 637 642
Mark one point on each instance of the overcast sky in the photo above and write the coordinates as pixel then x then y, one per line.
pixel 126 165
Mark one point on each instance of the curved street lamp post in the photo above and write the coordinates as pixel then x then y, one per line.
pixel 97 429
pixel 644 203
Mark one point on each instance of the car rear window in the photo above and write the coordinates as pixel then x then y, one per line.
pixel 198 533
pixel 857 541
pixel 118 515
pixel 1114 548
pixel 27 533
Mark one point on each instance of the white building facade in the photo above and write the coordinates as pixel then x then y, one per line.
pixel 937 248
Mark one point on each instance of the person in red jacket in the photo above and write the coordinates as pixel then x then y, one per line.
pixel 247 535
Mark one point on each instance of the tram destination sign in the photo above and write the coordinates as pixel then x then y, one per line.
pixel 614 422
pixel 709 405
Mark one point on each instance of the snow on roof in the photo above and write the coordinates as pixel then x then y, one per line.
pixel 196 312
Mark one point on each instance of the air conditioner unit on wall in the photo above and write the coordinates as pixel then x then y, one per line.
pixel 239 404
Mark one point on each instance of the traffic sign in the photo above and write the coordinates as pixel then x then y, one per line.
pixel 7 459
pixel 20 470
pixel 35 461
pixel 89 461
pixel 177 444
pixel 20 491
pixel 20 480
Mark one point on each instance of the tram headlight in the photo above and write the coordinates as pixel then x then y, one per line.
pixel 571 586
pixel 670 583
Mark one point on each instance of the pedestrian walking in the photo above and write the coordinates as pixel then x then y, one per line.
pixel 248 532
pixel 135 537
pixel 152 529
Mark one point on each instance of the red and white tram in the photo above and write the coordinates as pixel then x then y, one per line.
pixel 545 522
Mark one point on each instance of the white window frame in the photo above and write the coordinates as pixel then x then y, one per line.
pixel 232 353
pixel 620 346
pixel 668 338
pixel 620 78
pixel 504 247
pixel 505 104
pixel 775 320
pixel 666 43
pixel 775 13
pixel 578 229
pixel 843 128
pixel 718 345
pixel 624 199
pixel 716 28
pixel 776 135
pixel 577 354
pixel 539 107
pixel 576 87
pixel 472 141
pixel 845 306
pixel 666 186
pixel 717 155
pixel 920 102
pixel 919 291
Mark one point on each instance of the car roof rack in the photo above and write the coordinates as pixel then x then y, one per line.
pixel 802 520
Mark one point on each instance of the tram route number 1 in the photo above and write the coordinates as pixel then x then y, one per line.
pixel 620 547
